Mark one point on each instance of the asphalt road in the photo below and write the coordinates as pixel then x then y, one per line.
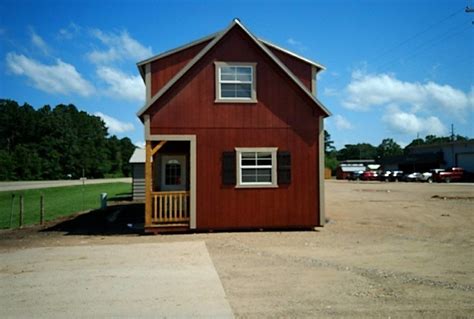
pixel 14 186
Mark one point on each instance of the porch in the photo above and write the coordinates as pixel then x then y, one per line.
pixel 169 181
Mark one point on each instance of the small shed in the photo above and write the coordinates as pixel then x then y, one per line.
pixel 137 162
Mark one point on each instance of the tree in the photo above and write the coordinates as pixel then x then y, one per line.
pixel 357 151
pixel 54 143
pixel 433 139
pixel 387 148
pixel 328 143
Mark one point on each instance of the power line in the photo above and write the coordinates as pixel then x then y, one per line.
pixel 429 44
pixel 384 53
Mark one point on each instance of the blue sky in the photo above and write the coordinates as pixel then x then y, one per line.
pixel 395 69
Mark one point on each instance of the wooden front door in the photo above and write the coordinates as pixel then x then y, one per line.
pixel 173 172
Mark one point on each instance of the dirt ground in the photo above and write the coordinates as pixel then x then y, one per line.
pixel 389 250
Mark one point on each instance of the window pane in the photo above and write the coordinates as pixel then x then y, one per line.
pixel 228 90
pixel 249 175
pixel 264 158
pixel 227 77
pixel 244 90
pixel 228 69
pixel 244 70
pixel 248 159
pixel 244 77
pixel 245 94
pixel 173 173
pixel 264 175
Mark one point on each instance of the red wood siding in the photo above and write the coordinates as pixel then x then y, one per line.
pixel 164 69
pixel 300 69
pixel 283 117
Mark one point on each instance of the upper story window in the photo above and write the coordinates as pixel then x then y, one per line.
pixel 236 82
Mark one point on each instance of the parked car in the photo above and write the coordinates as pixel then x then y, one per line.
pixel 385 176
pixel 428 176
pixel 412 177
pixel 355 176
pixel 396 176
pixel 369 176
pixel 450 175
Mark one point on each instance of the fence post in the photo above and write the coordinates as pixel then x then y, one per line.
pixel 21 211
pixel 11 212
pixel 42 209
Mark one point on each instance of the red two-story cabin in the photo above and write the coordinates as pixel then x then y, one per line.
pixel 234 136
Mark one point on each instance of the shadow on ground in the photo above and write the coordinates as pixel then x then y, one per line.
pixel 119 219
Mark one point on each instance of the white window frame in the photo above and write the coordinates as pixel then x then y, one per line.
pixel 239 167
pixel 219 98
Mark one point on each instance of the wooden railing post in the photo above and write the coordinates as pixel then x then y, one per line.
pixel 170 207
pixel 148 183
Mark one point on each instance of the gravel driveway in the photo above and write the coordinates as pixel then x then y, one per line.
pixel 129 281
pixel 390 250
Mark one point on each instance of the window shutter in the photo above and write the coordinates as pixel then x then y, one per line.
pixel 228 168
pixel 284 168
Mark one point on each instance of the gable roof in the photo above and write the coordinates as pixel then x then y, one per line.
pixel 313 63
pixel 206 49
pixel 142 64
pixel 138 156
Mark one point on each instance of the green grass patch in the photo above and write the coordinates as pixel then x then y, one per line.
pixel 58 201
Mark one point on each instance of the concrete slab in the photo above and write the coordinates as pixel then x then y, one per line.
pixel 136 280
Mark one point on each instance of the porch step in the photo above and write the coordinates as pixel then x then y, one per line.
pixel 167 228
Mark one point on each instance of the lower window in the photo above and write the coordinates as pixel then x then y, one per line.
pixel 256 167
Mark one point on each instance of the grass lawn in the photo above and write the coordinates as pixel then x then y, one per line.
pixel 58 201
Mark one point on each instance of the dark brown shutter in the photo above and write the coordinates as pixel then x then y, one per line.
pixel 284 168
pixel 228 168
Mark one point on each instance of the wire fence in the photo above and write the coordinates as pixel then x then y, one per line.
pixel 37 206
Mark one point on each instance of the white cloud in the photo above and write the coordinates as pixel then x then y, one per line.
pixel 114 125
pixel 408 123
pixel 39 43
pixel 369 90
pixel 120 46
pixel 69 32
pixel 342 123
pixel 103 57
pixel 60 77
pixel 121 85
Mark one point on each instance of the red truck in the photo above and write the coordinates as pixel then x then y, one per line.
pixel 453 174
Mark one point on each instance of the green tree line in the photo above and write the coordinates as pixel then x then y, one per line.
pixel 387 148
pixel 58 143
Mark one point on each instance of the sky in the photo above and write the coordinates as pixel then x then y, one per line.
pixel 394 69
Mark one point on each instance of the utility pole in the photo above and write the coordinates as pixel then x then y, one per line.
pixel 454 159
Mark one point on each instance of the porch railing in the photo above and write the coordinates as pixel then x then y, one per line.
pixel 170 207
